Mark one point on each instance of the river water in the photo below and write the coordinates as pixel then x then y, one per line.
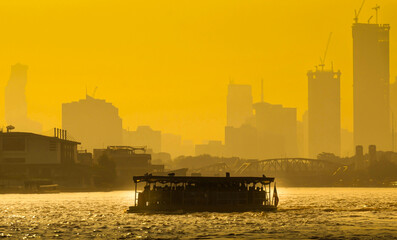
pixel 304 213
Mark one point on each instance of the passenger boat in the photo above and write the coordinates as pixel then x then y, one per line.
pixel 204 194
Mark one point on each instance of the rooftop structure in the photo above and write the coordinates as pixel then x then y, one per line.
pixel 129 161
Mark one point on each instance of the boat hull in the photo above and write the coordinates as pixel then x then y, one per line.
pixel 189 209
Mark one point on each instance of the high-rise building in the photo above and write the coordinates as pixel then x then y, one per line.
pixel 324 112
pixel 239 105
pixel 171 143
pixel 93 122
pixel 15 101
pixel 241 141
pixel 143 136
pixel 277 130
pixel 213 148
pixel 371 85
pixel 174 145
pixel 303 135
pixel 393 109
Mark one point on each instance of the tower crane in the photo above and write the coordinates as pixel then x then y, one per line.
pixel 369 19
pixel 322 60
pixel 356 14
pixel 376 8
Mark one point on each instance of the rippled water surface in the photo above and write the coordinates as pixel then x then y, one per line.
pixel 304 213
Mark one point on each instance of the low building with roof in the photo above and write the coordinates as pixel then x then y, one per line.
pixel 26 156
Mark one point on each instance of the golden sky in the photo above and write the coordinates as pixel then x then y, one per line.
pixel 167 63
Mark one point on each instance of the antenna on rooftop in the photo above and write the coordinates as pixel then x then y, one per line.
pixel 376 8
pixel 356 14
pixel 322 60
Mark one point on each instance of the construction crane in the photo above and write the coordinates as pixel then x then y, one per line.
pixel 322 60
pixel 93 93
pixel 376 8
pixel 262 90
pixel 369 20
pixel 358 13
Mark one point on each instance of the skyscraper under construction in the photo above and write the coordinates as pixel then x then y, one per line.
pixel 371 85
pixel 324 112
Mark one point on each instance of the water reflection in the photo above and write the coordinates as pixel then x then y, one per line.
pixel 327 213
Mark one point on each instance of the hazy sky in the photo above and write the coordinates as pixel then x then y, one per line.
pixel 167 63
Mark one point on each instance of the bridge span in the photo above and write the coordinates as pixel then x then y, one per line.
pixel 275 167
pixel 294 166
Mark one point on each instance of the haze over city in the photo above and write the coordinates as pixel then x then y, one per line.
pixel 168 64
pixel 245 119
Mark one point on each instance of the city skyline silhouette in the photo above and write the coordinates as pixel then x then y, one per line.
pixel 191 107
pixel 183 119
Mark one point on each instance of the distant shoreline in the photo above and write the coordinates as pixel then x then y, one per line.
pixel 127 189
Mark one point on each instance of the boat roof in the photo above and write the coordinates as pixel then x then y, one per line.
pixel 198 179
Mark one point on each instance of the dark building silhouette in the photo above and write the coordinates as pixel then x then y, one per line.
pixel 93 122
pixel 161 158
pixel 213 148
pixel 15 101
pixel 371 85
pixel 28 160
pixel 346 143
pixel 270 132
pixel 241 142
pixel 129 162
pixel 84 157
pixel 34 149
pixel 173 144
pixel 393 108
pixel 301 135
pixel 239 105
pixel 359 158
pixel 240 135
pixel 277 130
pixel 324 112
pixel 143 136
